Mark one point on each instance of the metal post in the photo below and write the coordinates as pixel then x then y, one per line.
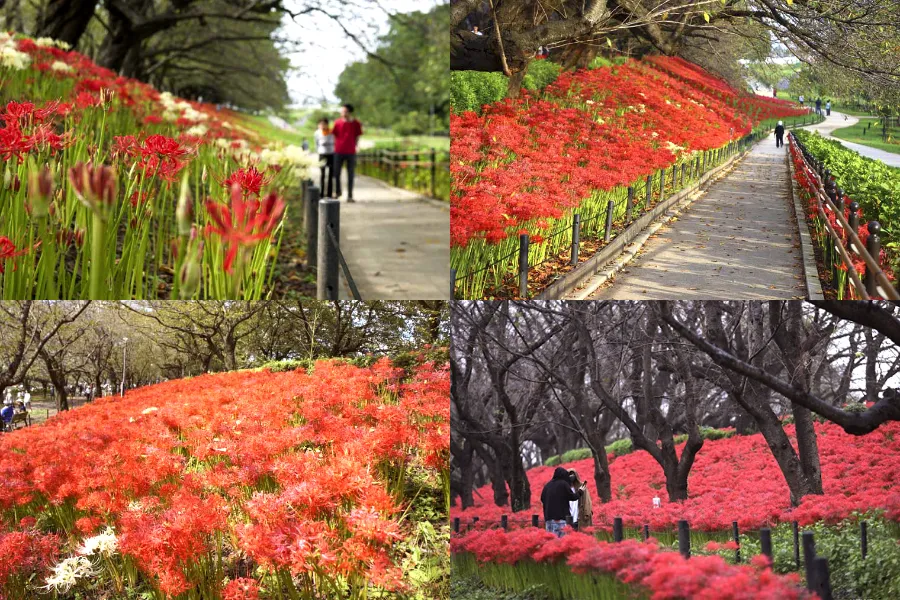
pixel 821 582
pixel 684 538
pixel 662 183
pixel 864 538
pixel 328 263
pixel 646 532
pixel 311 221
pixel 576 235
pixel 682 174
pixel 609 215
pixel 873 245
pixel 504 522
pixel 452 284
pixel 809 553
pixel 796 527
pixel 617 529
pixel 455 524
pixel 534 521
pixel 523 265
pixel 433 173
pixel 629 204
pixel 649 189
pixel 737 540
pixel 765 541
pixel 839 199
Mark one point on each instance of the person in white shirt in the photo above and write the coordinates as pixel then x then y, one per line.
pixel 325 149
pixel 475 30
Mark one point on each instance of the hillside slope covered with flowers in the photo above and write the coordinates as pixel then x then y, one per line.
pixel 111 189
pixel 247 484
pixel 525 165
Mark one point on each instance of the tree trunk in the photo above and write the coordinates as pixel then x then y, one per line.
pixel 808 448
pixel 498 481
pixel 519 487
pixel 119 41
pixel 514 89
pixel 65 20
pixel 601 477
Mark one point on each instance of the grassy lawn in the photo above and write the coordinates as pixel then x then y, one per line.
pixel 872 138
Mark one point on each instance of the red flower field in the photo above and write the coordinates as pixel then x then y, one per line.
pixel 734 479
pixel 238 485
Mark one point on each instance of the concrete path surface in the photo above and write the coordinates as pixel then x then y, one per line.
pixel 737 241
pixel 836 121
pixel 396 243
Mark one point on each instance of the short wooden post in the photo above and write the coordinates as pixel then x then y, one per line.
pixel 873 245
pixel 576 241
pixel 796 526
pixel 609 217
pixel 821 580
pixel 662 183
pixel 646 532
pixel 737 540
pixel 765 541
pixel 523 265
pixel 474 520
pixel 629 204
pixel 649 190
pixel 809 553
pixel 433 173
pixel 534 521
pixel 864 538
pixel 684 538
pixel 617 529
pixel 452 284
pixel 456 525
pixel 504 522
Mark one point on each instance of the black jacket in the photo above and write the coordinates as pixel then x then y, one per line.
pixel 556 496
pixel 779 130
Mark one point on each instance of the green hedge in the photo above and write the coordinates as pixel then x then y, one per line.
pixel 625 446
pixel 470 90
pixel 876 576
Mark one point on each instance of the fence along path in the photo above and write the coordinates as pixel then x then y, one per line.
pixel 738 240
pixel 396 242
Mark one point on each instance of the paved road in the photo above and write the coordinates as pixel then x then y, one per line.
pixel 837 121
pixel 737 241
pixel 396 243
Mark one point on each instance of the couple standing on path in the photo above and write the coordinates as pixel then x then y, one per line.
pixel 337 146
pixel 563 496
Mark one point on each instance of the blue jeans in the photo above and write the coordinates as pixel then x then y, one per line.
pixel 339 160
pixel 556 527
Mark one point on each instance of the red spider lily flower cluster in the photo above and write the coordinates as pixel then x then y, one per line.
pixel 8 251
pixel 250 180
pixel 665 575
pixel 291 470
pixel 158 155
pixel 245 222
pixel 528 160
pixel 29 129
pixel 735 479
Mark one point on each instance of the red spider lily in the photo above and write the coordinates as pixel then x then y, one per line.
pixel 249 179
pixel 8 251
pixel 245 222
pixel 95 185
pixel 241 588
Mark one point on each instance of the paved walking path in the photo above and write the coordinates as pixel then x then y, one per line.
pixel 396 243
pixel 837 121
pixel 737 241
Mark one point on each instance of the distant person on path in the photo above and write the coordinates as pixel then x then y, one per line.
pixel 555 497
pixel 325 149
pixel 582 511
pixel 779 135
pixel 801 100
pixel 346 132
pixel 828 108
pixel 774 93
pixel 819 106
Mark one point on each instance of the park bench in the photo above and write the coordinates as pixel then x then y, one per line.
pixel 20 420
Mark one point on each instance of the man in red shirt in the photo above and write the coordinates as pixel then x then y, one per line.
pixel 346 131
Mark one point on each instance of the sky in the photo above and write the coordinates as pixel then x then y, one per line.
pixel 322 50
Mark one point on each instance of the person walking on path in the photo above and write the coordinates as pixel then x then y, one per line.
pixel 347 131
pixel 325 149
pixel 819 106
pixel 779 135
pixel 582 511
pixel 555 497
pixel 801 100
pixel 828 108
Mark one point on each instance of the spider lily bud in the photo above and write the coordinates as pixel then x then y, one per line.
pixel 184 213
pixel 95 185
pixel 40 191
pixel 190 275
